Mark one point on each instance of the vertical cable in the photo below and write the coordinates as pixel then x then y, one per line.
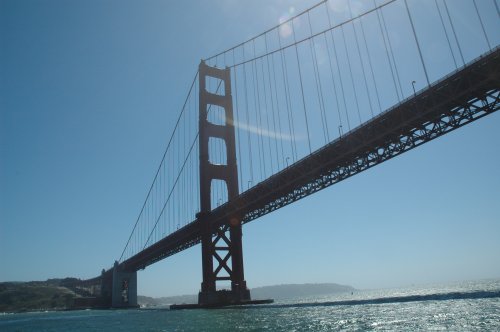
pixel 267 115
pixel 319 89
pixel 198 175
pixel 352 76
pixel 184 172
pixel 446 34
pixel 247 118
pixel 387 51
pixel 333 79
pixel 454 32
pixel 156 205
pixel 176 196
pixel 370 63
pixel 340 74
pixel 301 88
pixel 191 168
pixel 161 193
pixel 280 128
pixel 257 116
pixel 391 52
pixel 272 106
pixel 291 126
pixel 418 44
pixel 360 57
pixel 236 124
pixel 482 25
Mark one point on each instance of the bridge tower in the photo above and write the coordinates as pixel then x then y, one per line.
pixel 219 245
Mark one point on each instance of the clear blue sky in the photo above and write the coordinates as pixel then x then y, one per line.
pixel 89 94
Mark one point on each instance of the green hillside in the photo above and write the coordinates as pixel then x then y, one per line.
pixel 35 296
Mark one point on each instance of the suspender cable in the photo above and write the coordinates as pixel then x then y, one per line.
pixel 387 53
pixel 248 120
pixel 333 80
pixel 174 185
pixel 360 58
pixel 340 74
pixel 446 34
pixel 272 108
pixel 418 44
pixel 392 53
pixel 177 196
pixel 319 90
pixel 258 117
pixel 352 76
pixel 237 125
pixel 266 111
pixel 302 89
pixel 291 126
pixel 371 66
pixel 482 25
pixel 170 194
pixel 454 32
pixel 162 160
pixel 278 109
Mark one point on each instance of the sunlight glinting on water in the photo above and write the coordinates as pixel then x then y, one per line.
pixel 454 314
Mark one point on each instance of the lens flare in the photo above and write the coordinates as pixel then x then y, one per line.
pixel 285 29
pixel 341 8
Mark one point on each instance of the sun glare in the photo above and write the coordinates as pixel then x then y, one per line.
pixel 286 28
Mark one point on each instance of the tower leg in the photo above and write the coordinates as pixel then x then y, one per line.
pixel 221 245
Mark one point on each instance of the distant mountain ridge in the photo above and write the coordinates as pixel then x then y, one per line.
pixel 276 292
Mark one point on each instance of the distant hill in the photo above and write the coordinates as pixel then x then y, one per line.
pixel 59 294
pixel 277 292
pixel 52 294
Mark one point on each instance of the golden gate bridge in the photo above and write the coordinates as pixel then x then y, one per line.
pixel 322 96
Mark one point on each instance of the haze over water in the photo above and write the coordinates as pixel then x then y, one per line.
pixel 463 306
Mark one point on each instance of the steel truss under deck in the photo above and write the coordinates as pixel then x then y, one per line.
pixel 355 162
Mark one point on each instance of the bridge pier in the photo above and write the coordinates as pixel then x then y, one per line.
pixel 239 293
pixel 124 288
pixel 224 297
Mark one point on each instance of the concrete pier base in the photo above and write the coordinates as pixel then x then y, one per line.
pixel 224 297
pixel 124 292
pixel 218 305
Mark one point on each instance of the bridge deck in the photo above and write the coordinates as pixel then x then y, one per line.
pixel 464 96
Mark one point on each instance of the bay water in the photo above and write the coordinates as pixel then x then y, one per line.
pixel 461 306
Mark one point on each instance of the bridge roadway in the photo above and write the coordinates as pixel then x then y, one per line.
pixel 465 95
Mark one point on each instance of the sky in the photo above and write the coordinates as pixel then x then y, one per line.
pixel 89 94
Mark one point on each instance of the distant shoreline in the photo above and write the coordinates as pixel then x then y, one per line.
pixel 58 295
pixel 52 296
pixel 276 292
